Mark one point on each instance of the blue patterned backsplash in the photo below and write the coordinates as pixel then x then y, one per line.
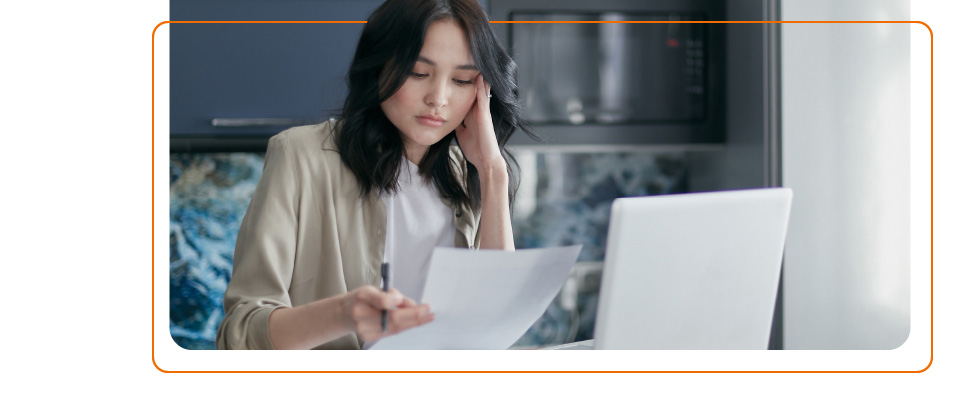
pixel 564 199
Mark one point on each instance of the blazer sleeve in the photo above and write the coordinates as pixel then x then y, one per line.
pixel 264 256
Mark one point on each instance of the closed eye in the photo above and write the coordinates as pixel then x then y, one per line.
pixel 458 82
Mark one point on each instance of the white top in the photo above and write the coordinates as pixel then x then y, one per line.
pixel 417 221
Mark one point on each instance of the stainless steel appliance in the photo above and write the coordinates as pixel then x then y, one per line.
pixel 618 83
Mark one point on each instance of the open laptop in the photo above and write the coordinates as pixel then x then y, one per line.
pixel 691 271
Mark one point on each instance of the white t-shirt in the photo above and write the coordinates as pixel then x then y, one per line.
pixel 417 221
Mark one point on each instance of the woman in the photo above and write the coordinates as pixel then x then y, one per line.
pixel 381 184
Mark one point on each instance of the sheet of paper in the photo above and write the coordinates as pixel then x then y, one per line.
pixel 485 299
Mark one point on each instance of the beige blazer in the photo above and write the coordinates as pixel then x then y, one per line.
pixel 306 236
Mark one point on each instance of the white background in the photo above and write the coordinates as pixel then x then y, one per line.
pixel 75 216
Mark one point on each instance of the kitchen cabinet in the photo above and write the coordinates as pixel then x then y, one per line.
pixel 289 74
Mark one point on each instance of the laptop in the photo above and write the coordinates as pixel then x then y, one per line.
pixel 691 271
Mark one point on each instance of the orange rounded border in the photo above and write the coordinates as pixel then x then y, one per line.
pixel 153 222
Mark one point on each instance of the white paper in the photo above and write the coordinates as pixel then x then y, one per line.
pixel 485 299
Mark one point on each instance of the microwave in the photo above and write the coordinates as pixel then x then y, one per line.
pixel 615 83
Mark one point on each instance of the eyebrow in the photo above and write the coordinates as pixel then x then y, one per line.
pixel 459 67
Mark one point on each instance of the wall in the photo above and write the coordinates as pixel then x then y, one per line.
pixel 258 70
pixel 846 93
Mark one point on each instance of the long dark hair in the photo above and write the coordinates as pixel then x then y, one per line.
pixel 370 145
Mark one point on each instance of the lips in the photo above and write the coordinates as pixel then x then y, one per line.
pixel 431 120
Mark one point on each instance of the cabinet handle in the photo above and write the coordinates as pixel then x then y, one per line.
pixel 261 122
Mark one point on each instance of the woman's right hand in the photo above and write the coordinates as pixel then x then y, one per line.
pixel 361 309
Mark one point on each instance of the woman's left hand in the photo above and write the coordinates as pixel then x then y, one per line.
pixel 476 136
pixel 478 141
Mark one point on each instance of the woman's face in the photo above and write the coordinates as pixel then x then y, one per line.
pixel 435 98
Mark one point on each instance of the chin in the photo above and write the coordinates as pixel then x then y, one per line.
pixel 431 136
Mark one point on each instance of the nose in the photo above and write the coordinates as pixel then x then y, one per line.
pixel 437 95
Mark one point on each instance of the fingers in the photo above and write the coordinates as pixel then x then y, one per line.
pixel 399 320
pixel 407 302
pixel 409 314
pixel 403 312
pixel 392 299
pixel 379 299
pixel 483 91
pixel 480 88
pixel 402 319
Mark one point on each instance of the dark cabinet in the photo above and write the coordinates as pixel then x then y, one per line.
pixel 234 84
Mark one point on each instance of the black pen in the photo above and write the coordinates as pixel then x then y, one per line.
pixel 385 274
